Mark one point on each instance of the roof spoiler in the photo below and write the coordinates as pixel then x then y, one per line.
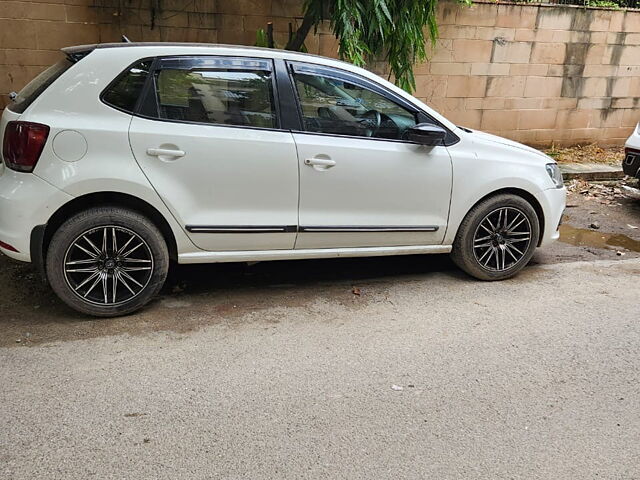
pixel 75 54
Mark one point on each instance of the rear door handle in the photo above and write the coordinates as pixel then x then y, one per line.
pixel 165 152
pixel 320 162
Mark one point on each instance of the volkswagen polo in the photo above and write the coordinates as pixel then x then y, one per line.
pixel 123 157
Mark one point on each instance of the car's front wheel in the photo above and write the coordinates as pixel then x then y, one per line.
pixel 107 261
pixel 497 238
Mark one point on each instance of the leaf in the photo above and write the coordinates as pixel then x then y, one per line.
pixel 396 31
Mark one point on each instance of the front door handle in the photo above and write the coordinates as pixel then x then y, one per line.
pixel 320 162
pixel 165 152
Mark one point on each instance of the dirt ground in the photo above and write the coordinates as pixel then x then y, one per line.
pixel 591 153
pixel 601 222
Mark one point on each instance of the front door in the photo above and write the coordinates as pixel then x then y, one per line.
pixel 361 184
pixel 212 148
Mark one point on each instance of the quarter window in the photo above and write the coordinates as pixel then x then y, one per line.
pixel 241 97
pixel 338 107
pixel 126 90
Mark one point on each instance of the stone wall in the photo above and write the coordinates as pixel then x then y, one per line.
pixel 534 73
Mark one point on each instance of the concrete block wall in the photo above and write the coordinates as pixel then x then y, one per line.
pixel 539 74
pixel 33 31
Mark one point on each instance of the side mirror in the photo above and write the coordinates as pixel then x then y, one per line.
pixel 426 134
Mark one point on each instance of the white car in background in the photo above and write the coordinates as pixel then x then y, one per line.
pixel 631 162
pixel 122 157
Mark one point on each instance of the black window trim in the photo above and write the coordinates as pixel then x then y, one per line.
pixel 347 76
pixel 149 109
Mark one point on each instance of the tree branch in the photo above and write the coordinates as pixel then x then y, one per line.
pixel 295 43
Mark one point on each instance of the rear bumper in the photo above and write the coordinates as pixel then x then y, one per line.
pixel 26 201
pixel 553 202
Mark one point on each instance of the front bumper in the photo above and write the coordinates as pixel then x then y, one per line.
pixel 553 202
pixel 26 201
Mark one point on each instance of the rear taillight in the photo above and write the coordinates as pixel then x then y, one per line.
pixel 23 144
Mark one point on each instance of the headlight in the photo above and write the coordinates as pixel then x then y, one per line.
pixel 556 175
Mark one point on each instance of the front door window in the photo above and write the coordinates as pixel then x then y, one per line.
pixel 339 107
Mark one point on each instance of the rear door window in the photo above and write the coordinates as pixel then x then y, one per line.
pixel 217 91
pixel 38 85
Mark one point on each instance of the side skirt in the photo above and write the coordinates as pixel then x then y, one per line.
pixel 266 255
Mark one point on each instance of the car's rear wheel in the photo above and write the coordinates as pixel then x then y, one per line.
pixel 107 261
pixel 497 238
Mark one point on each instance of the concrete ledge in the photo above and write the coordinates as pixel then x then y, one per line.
pixel 554 5
pixel 591 171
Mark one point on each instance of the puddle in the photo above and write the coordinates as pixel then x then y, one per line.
pixel 593 238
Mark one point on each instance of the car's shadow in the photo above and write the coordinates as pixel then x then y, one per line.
pixel 207 277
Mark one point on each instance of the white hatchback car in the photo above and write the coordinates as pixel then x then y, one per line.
pixel 123 156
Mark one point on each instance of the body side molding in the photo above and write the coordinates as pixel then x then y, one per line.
pixel 242 228
pixel 308 229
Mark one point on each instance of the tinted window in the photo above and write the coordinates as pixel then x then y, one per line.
pixel 218 96
pixel 38 85
pixel 126 90
pixel 338 107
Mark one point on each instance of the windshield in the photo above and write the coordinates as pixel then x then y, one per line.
pixel 38 85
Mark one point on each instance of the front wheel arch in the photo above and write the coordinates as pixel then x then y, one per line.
pixel 524 195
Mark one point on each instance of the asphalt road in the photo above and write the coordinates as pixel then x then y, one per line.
pixel 431 376
pixel 398 367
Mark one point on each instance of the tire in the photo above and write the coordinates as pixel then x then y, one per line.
pixel 107 261
pixel 500 254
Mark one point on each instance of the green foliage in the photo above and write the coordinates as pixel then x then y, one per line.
pixel 261 38
pixel 394 30
pixel 603 4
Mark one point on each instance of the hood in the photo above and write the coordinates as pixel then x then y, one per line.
pixel 488 139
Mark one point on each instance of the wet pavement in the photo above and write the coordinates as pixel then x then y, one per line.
pixel 583 237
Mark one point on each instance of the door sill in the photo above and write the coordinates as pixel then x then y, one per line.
pixel 310 253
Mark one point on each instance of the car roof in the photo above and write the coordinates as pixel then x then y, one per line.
pixel 241 50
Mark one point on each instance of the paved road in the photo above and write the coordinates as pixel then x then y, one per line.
pixel 426 374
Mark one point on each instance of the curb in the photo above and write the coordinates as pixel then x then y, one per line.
pixel 591 172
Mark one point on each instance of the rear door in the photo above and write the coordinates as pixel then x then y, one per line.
pixel 210 142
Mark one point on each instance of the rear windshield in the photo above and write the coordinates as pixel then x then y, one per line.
pixel 38 85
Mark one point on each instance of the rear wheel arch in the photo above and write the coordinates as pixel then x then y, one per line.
pixel 41 238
